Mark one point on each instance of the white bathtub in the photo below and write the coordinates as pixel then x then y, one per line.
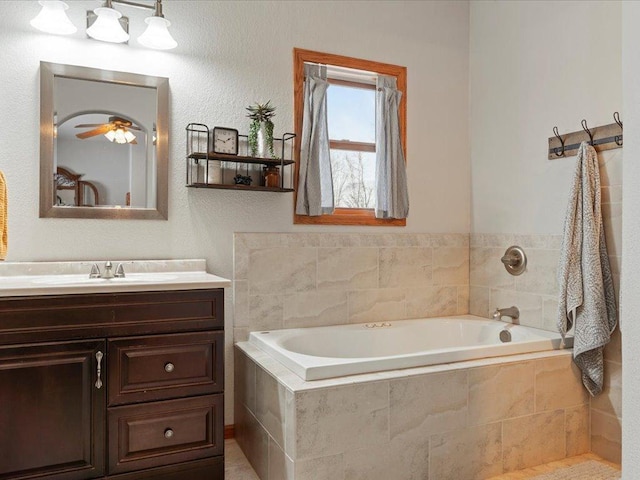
pixel 325 352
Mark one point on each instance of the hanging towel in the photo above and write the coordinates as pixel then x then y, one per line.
pixel 587 298
pixel 3 217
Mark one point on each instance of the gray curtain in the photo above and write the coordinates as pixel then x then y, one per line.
pixel 315 186
pixel 392 196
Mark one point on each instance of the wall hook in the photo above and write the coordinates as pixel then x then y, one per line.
pixel 618 138
pixel 556 149
pixel 586 129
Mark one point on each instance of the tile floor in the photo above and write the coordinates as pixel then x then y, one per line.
pixel 550 467
pixel 237 466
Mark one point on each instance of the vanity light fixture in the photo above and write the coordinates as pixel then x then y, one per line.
pixel 53 18
pixel 107 24
pixel 157 33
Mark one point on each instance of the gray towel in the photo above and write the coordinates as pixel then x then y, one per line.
pixel 587 298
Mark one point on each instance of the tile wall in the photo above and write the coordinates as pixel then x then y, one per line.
pixel 470 421
pixel 535 293
pixel 309 279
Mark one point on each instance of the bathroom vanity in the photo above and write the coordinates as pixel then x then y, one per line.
pixel 123 381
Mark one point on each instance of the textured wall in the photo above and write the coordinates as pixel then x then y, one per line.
pixel 231 54
pixel 533 65
pixel 630 308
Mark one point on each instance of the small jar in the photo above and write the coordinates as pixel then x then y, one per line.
pixel 271 176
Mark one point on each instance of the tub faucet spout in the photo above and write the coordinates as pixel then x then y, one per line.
pixel 512 312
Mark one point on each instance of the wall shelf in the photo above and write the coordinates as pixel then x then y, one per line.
pixel 207 169
pixel 257 188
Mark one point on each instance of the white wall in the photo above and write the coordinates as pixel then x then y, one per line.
pixel 533 65
pixel 230 55
pixel 630 308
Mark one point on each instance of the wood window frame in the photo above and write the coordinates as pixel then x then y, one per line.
pixel 343 216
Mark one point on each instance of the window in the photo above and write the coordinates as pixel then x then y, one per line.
pixel 351 99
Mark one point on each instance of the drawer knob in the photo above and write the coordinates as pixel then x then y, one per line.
pixel 169 367
pixel 168 433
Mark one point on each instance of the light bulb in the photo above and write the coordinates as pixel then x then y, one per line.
pixel 129 137
pixel 107 28
pixel 120 136
pixel 111 135
pixel 157 34
pixel 53 18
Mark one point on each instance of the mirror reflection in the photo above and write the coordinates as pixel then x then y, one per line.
pixel 106 155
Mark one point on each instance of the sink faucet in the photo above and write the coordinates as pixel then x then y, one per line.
pixel 108 271
pixel 512 312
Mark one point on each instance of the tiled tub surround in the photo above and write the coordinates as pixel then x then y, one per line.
pixel 535 292
pixel 313 279
pixel 468 420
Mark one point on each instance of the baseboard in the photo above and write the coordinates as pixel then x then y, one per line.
pixel 229 431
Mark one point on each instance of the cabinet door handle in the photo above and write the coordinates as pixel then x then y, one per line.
pixel 168 433
pixel 169 367
pixel 99 356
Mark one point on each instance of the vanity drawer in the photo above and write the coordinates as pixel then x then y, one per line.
pixel 161 367
pixel 163 433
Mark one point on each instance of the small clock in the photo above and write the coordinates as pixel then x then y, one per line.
pixel 225 140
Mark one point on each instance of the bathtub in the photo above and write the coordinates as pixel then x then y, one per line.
pixel 325 352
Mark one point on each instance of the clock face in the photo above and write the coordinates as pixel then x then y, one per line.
pixel 225 140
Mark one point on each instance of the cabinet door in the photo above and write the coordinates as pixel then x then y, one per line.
pixel 52 414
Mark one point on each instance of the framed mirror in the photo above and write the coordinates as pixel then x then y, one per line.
pixel 103 143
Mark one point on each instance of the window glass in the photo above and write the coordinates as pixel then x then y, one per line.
pixel 353 178
pixel 351 113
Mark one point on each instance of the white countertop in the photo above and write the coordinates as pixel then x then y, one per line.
pixel 62 278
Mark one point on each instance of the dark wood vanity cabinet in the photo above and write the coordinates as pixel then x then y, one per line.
pixel 123 386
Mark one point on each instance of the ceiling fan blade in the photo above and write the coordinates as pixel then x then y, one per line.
pixel 133 127
pixel 92 133
pixel 134 142
pixel 85 125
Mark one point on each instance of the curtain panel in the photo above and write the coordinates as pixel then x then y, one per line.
pixel 392 195
pixel 315 185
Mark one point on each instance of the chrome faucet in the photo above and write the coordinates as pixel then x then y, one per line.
pixel 119 271
pixel 108 271
pixel 512 312
pixel 95 271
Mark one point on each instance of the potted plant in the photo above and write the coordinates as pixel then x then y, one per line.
pixel 261 130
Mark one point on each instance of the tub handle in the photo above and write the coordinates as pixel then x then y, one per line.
pixel 514 260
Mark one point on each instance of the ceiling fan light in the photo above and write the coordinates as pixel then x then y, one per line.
pixel 111 135
pixel 129 137
pixel 157 34
pixel 107 28
pixel 53 18
pixel 120 136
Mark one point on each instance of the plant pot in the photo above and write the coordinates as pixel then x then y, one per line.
pixel 261 139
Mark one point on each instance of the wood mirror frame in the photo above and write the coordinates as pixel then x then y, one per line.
pixel 48 207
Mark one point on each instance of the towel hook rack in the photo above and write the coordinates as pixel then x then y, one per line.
pixel 556 149
pixel 586 129
pixel 618 138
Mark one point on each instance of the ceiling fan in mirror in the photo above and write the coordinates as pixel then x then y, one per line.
pixel 117 130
